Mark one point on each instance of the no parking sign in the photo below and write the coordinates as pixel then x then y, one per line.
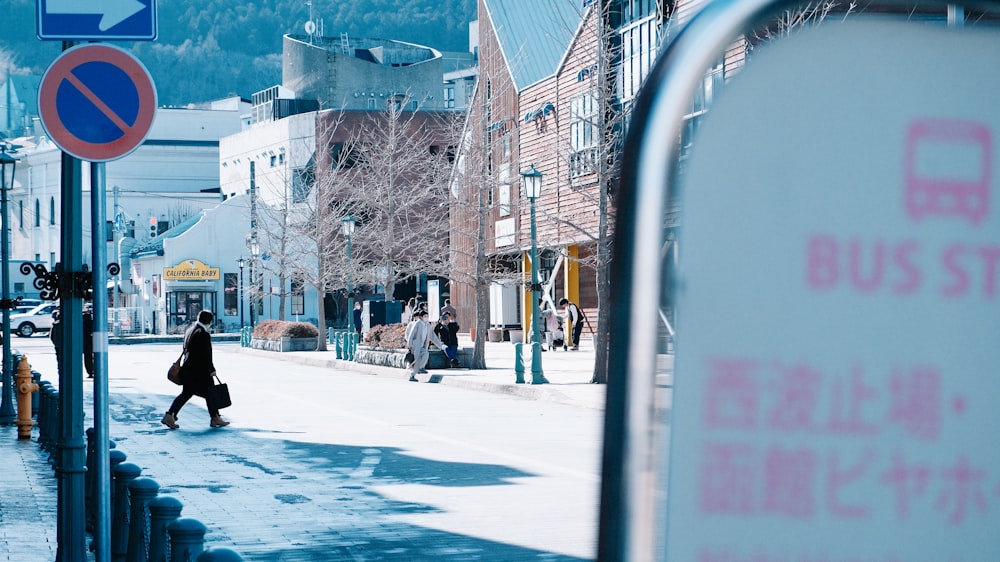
pixel 97 102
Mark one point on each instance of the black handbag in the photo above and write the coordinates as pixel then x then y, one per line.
pixel 218 395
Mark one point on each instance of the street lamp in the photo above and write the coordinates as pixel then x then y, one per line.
pixel 254 254
pixel 348 223
pixel 532 190
pixel 7 413
pixel 239 290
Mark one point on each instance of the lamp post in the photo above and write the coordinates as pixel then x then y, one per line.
pixel 239 290
pixel 254 254
pixel 532 190
pixel 7 413
pixel 348 223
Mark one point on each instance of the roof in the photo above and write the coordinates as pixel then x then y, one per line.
pixel 154 246
pixel 26 87
pixel 534 36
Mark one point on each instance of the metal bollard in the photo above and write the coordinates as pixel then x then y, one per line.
pixel 346 346
pixel 355 341
pixel 88 479
pixel 115 458
pixel 36 396
pixel 329 335
pixel 25 387
pixel 187 539
pixel 43 413
pixel 122 475
pixel 163 510
pixel 338 344
pixel 537 376
pixel 518 363
pixel 218 554
pixel 140 491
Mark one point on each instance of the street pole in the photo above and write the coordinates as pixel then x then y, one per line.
pixel 350 290
pixel 532 190
pixel 7 413
pixel 348 223
pixel 102 418
pixel 240 292
pixel 72 447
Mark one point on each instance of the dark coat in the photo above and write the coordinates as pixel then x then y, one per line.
pixel 448 333
pixel 198 368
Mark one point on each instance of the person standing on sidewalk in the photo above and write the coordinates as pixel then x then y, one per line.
pixel 575 316
pixel 197 372
pixel 449 310
pixel 55 334
pixel 88 339
pixel 358 321
pixel 418 336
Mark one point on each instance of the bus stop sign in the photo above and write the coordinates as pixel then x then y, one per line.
pixel 838 367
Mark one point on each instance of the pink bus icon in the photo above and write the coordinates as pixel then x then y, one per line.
pixel 948 168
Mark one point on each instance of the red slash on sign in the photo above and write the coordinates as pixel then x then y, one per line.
pixel 97 102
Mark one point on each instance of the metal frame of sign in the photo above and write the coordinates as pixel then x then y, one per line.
pixel 80 14
pixel 632 513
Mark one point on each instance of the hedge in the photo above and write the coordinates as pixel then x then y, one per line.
pixel 275 329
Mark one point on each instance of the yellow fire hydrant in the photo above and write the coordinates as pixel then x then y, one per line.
pixel 25 386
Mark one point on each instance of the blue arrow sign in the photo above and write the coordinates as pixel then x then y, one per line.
pixel 96 20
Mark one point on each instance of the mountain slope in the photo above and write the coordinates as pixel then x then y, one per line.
pixel 208 49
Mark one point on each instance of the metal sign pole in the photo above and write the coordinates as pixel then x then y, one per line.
pixel 102 495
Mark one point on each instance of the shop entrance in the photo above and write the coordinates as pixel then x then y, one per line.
pixel 183 308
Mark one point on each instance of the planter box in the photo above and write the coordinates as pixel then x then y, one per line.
pixel 516 336
pixel 285 344
pixel 395 357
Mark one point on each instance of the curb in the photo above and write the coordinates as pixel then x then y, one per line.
pixel 592 397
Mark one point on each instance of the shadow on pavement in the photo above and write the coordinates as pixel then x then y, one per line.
pixel 282 500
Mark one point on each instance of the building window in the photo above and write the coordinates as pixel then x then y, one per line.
pixel 20 214
pixel 700 102
pixel 371 103
pixel 449 97
pixel 274 161
pixel 52 210
pixel 639 42
pixel 52 260
pixel 38 213
pixel 298 297
pixel 231 303
pixel 302 182
pixel 585 133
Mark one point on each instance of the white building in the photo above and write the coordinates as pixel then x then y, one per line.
pixel 172 176
pixel 193 266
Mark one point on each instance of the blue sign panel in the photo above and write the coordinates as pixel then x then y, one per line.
pixel 96 20
pixel 97 102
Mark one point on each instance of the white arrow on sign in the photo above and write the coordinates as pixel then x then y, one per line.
pixel 112 12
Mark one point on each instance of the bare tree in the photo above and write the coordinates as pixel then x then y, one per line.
pixel 390 172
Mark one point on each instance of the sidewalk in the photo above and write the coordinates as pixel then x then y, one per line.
pixel 568 372
pixel 28 498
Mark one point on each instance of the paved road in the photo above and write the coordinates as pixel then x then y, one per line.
pixel 326 464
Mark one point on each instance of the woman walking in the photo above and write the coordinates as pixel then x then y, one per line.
pixel 197 372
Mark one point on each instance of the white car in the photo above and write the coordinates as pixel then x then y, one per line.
pixel 38 319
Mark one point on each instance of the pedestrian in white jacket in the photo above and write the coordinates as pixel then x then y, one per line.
pixel 418 336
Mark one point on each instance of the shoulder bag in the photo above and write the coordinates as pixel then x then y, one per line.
pixel 174 372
